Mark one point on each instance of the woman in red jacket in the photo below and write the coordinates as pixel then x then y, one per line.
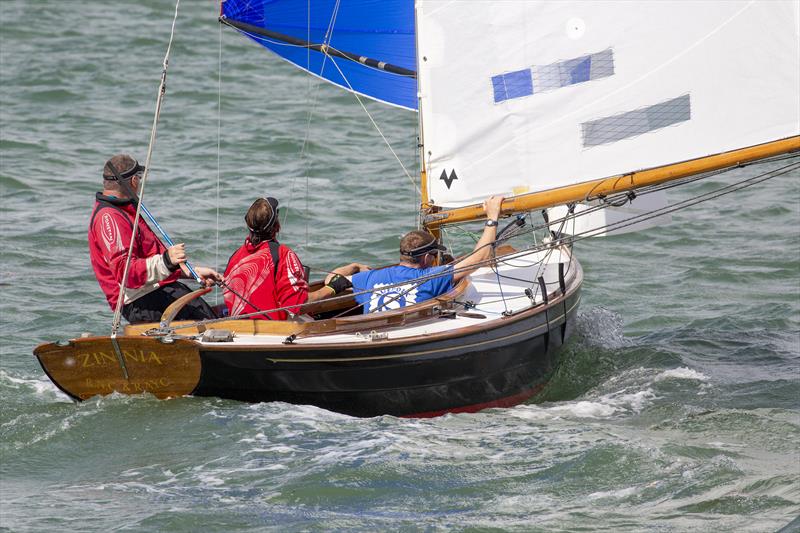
pixel 264 274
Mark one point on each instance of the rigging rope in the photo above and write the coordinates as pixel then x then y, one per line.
pixel 161 90
pixel 326 41
pixel 385 140
pixel 219 149
pixel 308 122
pixel 570 240
pixel 722 191
pixel 310 115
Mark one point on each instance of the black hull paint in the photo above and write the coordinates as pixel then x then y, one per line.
pixel 482 368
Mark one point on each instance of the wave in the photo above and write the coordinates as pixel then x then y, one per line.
pixel 40 387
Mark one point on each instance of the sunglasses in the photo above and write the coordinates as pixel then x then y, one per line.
pixel 135 170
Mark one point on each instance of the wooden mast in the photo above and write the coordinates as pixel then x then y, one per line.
pixel 616 184
pixel 425 207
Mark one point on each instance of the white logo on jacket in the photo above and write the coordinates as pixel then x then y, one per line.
pixel 110 232
pixel 391 298
pixel 295 273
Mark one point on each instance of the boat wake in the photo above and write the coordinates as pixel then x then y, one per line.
pixel 628 393
pixel 603 374
pixel 42 388
pixel 590 358
pixel 600 327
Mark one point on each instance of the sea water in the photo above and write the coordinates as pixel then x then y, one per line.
pixel 675 407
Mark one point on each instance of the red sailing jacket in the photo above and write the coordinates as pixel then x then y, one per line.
pixel 251 274
pixel 110 231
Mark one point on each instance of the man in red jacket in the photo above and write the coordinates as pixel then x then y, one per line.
pixel 154 270
pixel 263 274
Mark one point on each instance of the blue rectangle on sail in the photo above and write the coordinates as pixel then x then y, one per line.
pixel 632 123
pixel 579 70
pixel 543 78
pixel 512 85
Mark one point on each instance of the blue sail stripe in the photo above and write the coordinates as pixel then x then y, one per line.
pixel 543 78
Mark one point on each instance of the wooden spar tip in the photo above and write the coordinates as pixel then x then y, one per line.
pixel 323 48
pixel 619 183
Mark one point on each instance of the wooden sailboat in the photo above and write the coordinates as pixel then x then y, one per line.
pixel 551 104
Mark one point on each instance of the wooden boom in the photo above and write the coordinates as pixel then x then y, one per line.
pixel 616 184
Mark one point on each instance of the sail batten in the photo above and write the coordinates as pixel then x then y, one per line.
pixel 620 183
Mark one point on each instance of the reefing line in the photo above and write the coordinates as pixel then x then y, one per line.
pixel 161 91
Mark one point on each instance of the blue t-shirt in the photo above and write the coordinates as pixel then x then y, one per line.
pixel 407 294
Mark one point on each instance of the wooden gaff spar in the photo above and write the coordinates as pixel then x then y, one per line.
pixel 626 182
pixel 583 108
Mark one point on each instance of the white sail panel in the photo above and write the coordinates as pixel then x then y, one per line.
pixel 524 96
pixel 597 220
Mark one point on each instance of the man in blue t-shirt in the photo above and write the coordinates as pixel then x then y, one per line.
pixel 418 250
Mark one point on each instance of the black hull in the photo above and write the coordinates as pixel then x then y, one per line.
pixel 481 368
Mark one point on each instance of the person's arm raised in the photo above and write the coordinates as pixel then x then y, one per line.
pixel 483 248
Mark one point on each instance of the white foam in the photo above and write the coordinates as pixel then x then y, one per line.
pixel 602 327
pixel 274 466
pixel 280 448
pixel 607 405
pixel 40 387
pixel 620 493
pixel 210 480
pixel 724 445
pixel 682 373
pixel 602 407
pixel 585 409
pixel 530 412
pixel 635 401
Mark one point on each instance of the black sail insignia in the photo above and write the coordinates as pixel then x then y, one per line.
pixel 448 180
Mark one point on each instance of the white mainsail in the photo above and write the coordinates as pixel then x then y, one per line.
pixel 524 96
